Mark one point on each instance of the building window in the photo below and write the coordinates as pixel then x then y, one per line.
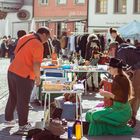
pixel 79 27
pixel 136 6
pixel 120 6
pixel 101 6
pixel 79 1
pixel 43 23
pixel 43 1
pixel 61 1
pixel 63 26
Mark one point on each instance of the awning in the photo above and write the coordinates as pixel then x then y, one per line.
pixel 130 30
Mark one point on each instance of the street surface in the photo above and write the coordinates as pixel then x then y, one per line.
pixel 89 101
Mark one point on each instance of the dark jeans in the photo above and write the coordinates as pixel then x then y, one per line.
pixel 19 96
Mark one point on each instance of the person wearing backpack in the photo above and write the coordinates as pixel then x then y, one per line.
pixel 23 72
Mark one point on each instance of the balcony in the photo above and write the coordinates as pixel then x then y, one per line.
pixel 11 5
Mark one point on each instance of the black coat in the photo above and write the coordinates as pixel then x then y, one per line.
pixel 119 40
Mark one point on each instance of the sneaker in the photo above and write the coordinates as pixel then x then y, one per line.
pixel 10 123
pixel 132 122
pixel 25 127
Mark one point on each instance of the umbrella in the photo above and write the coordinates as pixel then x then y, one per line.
pixel 130 30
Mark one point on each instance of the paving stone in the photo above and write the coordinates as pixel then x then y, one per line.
pixel 89 101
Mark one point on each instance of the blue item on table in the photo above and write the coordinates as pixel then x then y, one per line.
pixel 66 66
pixel 54 74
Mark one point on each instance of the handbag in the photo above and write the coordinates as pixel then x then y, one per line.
pixel 56 114
pixel 56 127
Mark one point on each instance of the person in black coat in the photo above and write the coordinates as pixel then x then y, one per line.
pixel 12 47
pixel 114 34
pixel 56 44
pixel 4 48
pixel 92 47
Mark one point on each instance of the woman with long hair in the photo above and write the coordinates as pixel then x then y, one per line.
pixel 115 35
pixel 113 120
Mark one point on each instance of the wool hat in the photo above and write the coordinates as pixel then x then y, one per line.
pixel 116 63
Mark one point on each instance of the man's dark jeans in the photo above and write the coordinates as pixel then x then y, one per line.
pixel 19 96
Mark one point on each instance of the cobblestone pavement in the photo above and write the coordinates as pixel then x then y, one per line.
pixel 36 114
pixel 4 63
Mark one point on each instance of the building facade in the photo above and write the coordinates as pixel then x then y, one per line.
pixel 18 15
pixel 60 16
pixel 103 14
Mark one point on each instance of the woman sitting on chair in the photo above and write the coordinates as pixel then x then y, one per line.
pixel 113 120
